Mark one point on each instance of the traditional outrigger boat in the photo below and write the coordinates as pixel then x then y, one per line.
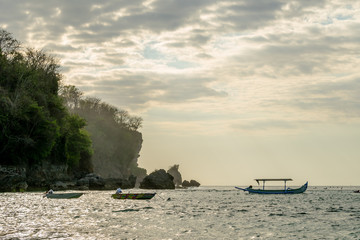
pixel 135 196
pixel 64 195
pixel 272 191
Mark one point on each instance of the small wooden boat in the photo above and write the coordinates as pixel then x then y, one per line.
pixel 277 191
pixel 135 196
pixel 357 191
pixel 64 195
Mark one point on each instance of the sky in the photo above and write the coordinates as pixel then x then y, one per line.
pixel 230 90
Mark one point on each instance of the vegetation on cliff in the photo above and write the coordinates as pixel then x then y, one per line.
pixel 116 141
pixel 42 121
pixel 34 124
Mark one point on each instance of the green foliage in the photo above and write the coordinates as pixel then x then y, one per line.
pixel 78 144
pixel 35 126
pixel 28 138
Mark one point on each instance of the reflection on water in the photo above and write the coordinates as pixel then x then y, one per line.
pixel 201 213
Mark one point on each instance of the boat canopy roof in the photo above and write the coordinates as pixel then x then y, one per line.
pixel 272 179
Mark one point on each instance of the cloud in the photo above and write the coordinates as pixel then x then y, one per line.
pixel 134 90
pixel 261 125
pixel 340 99
pixel 229 56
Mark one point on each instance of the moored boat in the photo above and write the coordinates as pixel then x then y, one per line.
pixel 135 196
pixel 285 190
pixel 64 195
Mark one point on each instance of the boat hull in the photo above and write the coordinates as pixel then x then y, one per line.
pixel 280 191
pixel 134 196
pixel 64 195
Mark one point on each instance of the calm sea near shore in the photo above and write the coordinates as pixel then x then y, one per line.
pixel 199 213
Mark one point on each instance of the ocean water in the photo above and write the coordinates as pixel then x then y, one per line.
pixel 199 213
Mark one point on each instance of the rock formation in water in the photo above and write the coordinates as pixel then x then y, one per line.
pixel 192 183
pixel 158 179
pixel 174 171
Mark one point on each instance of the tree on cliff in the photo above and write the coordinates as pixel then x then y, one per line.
pixel 113 131
pixel 93 107
pixel 34 124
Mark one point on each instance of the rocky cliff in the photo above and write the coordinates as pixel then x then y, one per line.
pixel 12 179
pixel 112 169
pixel 117 158
pixel 20 178
pixel 56 177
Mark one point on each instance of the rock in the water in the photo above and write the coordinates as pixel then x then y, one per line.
pixel 158 179
pixel 174 171
pixel 192 183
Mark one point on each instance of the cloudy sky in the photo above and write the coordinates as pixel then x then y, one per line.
pixel 231 90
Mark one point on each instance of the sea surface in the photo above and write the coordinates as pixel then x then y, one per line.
pixel 197 213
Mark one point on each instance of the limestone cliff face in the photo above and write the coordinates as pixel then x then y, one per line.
pixel 117 158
